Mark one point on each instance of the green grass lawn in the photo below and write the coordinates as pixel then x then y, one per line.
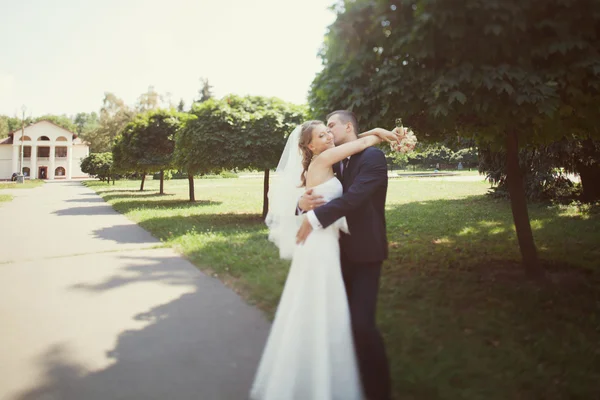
pixel 28 184
pixel 458 318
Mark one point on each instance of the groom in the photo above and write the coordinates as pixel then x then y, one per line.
pixel 364 178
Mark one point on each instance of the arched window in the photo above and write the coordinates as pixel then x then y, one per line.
pixel 26 171
pixel 25 138
pixel 62 139
pixel 43 139
pixel 60 171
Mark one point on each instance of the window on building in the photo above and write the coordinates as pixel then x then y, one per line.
pixel 43 138
pixel 26 171
pixel 61 152
pixel 43 151
pixel 27 151
pixel 60 171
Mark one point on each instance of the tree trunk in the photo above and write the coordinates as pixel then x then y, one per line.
pixel 162 181
pixel 518 205
pixel 266 194
pixel 143 180
pixel 191 186
pixel 590 181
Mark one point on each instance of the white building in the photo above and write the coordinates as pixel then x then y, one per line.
pixel 49 152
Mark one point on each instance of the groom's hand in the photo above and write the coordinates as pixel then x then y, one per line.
pixel 304 231
pixel 309 201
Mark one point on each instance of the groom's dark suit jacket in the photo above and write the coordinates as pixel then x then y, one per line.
pixel 363 204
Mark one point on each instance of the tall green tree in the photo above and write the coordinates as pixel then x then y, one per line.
pixel 86 122
pixel 264 134
pixel 181 106
pixel 147 143
pixel 12 124
pixel 506 72
pixel 150 100
pixel 205 92
pixel 114 115
pixel 236 132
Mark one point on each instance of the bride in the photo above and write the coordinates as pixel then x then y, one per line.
pixel 309 354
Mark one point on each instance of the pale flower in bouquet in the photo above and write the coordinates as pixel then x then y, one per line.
pixel 408 141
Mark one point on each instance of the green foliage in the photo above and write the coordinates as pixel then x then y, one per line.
pixel 61 120
pixel 478 68
pixel 469 157
pixel 147 143
pixel 114 115
pixel 181 106
pixel 11 124
pixel 99 165
pixel 205 93
pixel 458 319
pixel 543 167
pixel 86 122
pixel 3 126
pixel 235 132
pixel 430 155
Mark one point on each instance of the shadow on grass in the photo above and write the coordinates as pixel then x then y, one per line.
pixel 125 206
pixel 203 344
pixel 460 320
pixel 122 195
pixel 221 224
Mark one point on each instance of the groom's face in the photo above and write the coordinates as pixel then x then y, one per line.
pixel 338 129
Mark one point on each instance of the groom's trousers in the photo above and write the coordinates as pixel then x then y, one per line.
pixel 362 286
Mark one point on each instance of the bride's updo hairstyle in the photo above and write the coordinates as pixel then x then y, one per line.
pixel 305 139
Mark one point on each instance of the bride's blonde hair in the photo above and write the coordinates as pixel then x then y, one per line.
pixel 305 139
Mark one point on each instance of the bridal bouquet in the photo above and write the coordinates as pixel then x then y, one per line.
pixel 407 143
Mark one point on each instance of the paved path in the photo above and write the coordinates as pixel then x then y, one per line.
pixel 91 308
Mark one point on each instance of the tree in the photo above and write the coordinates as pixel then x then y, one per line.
pixel 61 120
pixel 205 93
pixel 4 126
pixel 264 135
pixel 431 60
pixel 469 157
pixel 11 124
pixel 86 122
pixel 147 143
pixel 114 115
pixel 181 106
pixel 150 100
pixel 99 165
pixel 236 132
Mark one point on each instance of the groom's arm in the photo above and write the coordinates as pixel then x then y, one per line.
pixel 372 175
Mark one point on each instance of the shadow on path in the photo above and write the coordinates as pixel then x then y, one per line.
pixel 203 345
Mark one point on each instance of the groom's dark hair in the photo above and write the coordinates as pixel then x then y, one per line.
pixel 346 116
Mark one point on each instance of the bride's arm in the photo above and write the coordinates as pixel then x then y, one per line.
pixel 367 139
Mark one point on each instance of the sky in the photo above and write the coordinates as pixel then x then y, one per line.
pixel 61 56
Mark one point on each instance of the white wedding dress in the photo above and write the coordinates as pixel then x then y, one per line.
pixel 310 354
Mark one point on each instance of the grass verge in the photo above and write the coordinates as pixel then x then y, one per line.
pixel 458 318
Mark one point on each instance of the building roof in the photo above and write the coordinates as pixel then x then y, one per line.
pixel 9 139
pixel 43 120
